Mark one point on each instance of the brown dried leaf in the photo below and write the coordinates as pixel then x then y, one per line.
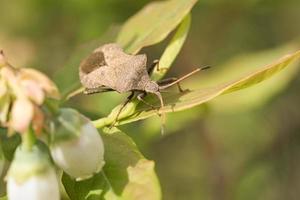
pixel 38 120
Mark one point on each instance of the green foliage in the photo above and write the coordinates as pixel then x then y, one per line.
pixel 153 24
pixel 10 144
pixel 259 94
pixel 254 183
pixel 126 174
pixel 149 31
pixel 150 28
pixel 173 48
pixel 180 101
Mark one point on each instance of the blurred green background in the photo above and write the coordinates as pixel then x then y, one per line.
pixel 243 145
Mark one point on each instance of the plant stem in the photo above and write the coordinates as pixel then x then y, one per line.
pixel 73 93
pixel 53 109
pixel 128 110
pixel 28 139
pixel 100 123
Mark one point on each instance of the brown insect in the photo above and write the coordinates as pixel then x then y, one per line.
pixel 109 68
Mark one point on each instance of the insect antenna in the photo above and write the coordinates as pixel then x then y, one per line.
pixel 165 91
pixel 163 115
pixel 184 77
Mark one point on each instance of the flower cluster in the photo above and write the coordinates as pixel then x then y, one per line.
pixel 74 144
pixel 22 92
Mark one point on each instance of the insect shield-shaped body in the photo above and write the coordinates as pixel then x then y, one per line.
pixel 109 68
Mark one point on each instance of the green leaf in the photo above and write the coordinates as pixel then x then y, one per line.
pixel 255 96
pixel 153 23
pixel 175 101
pixel 9 144
pixel 173 48
pixel 93 188
pixel 126 174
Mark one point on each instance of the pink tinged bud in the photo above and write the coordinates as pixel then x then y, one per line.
pixel 45 83
pixel 33 90
pixel 21 115
pixel 80 157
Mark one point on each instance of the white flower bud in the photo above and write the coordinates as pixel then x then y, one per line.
pixel 82 155
pixel 38 187
pixel 31 176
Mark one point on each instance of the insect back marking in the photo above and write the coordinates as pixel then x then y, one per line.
pixel 94 61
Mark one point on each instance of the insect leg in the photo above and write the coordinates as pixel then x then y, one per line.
pixel 122 107
pixel 158 68
pixel 100 89
pixel 152 67
pixel 182 78
pixel 170 80
pixel 141 97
